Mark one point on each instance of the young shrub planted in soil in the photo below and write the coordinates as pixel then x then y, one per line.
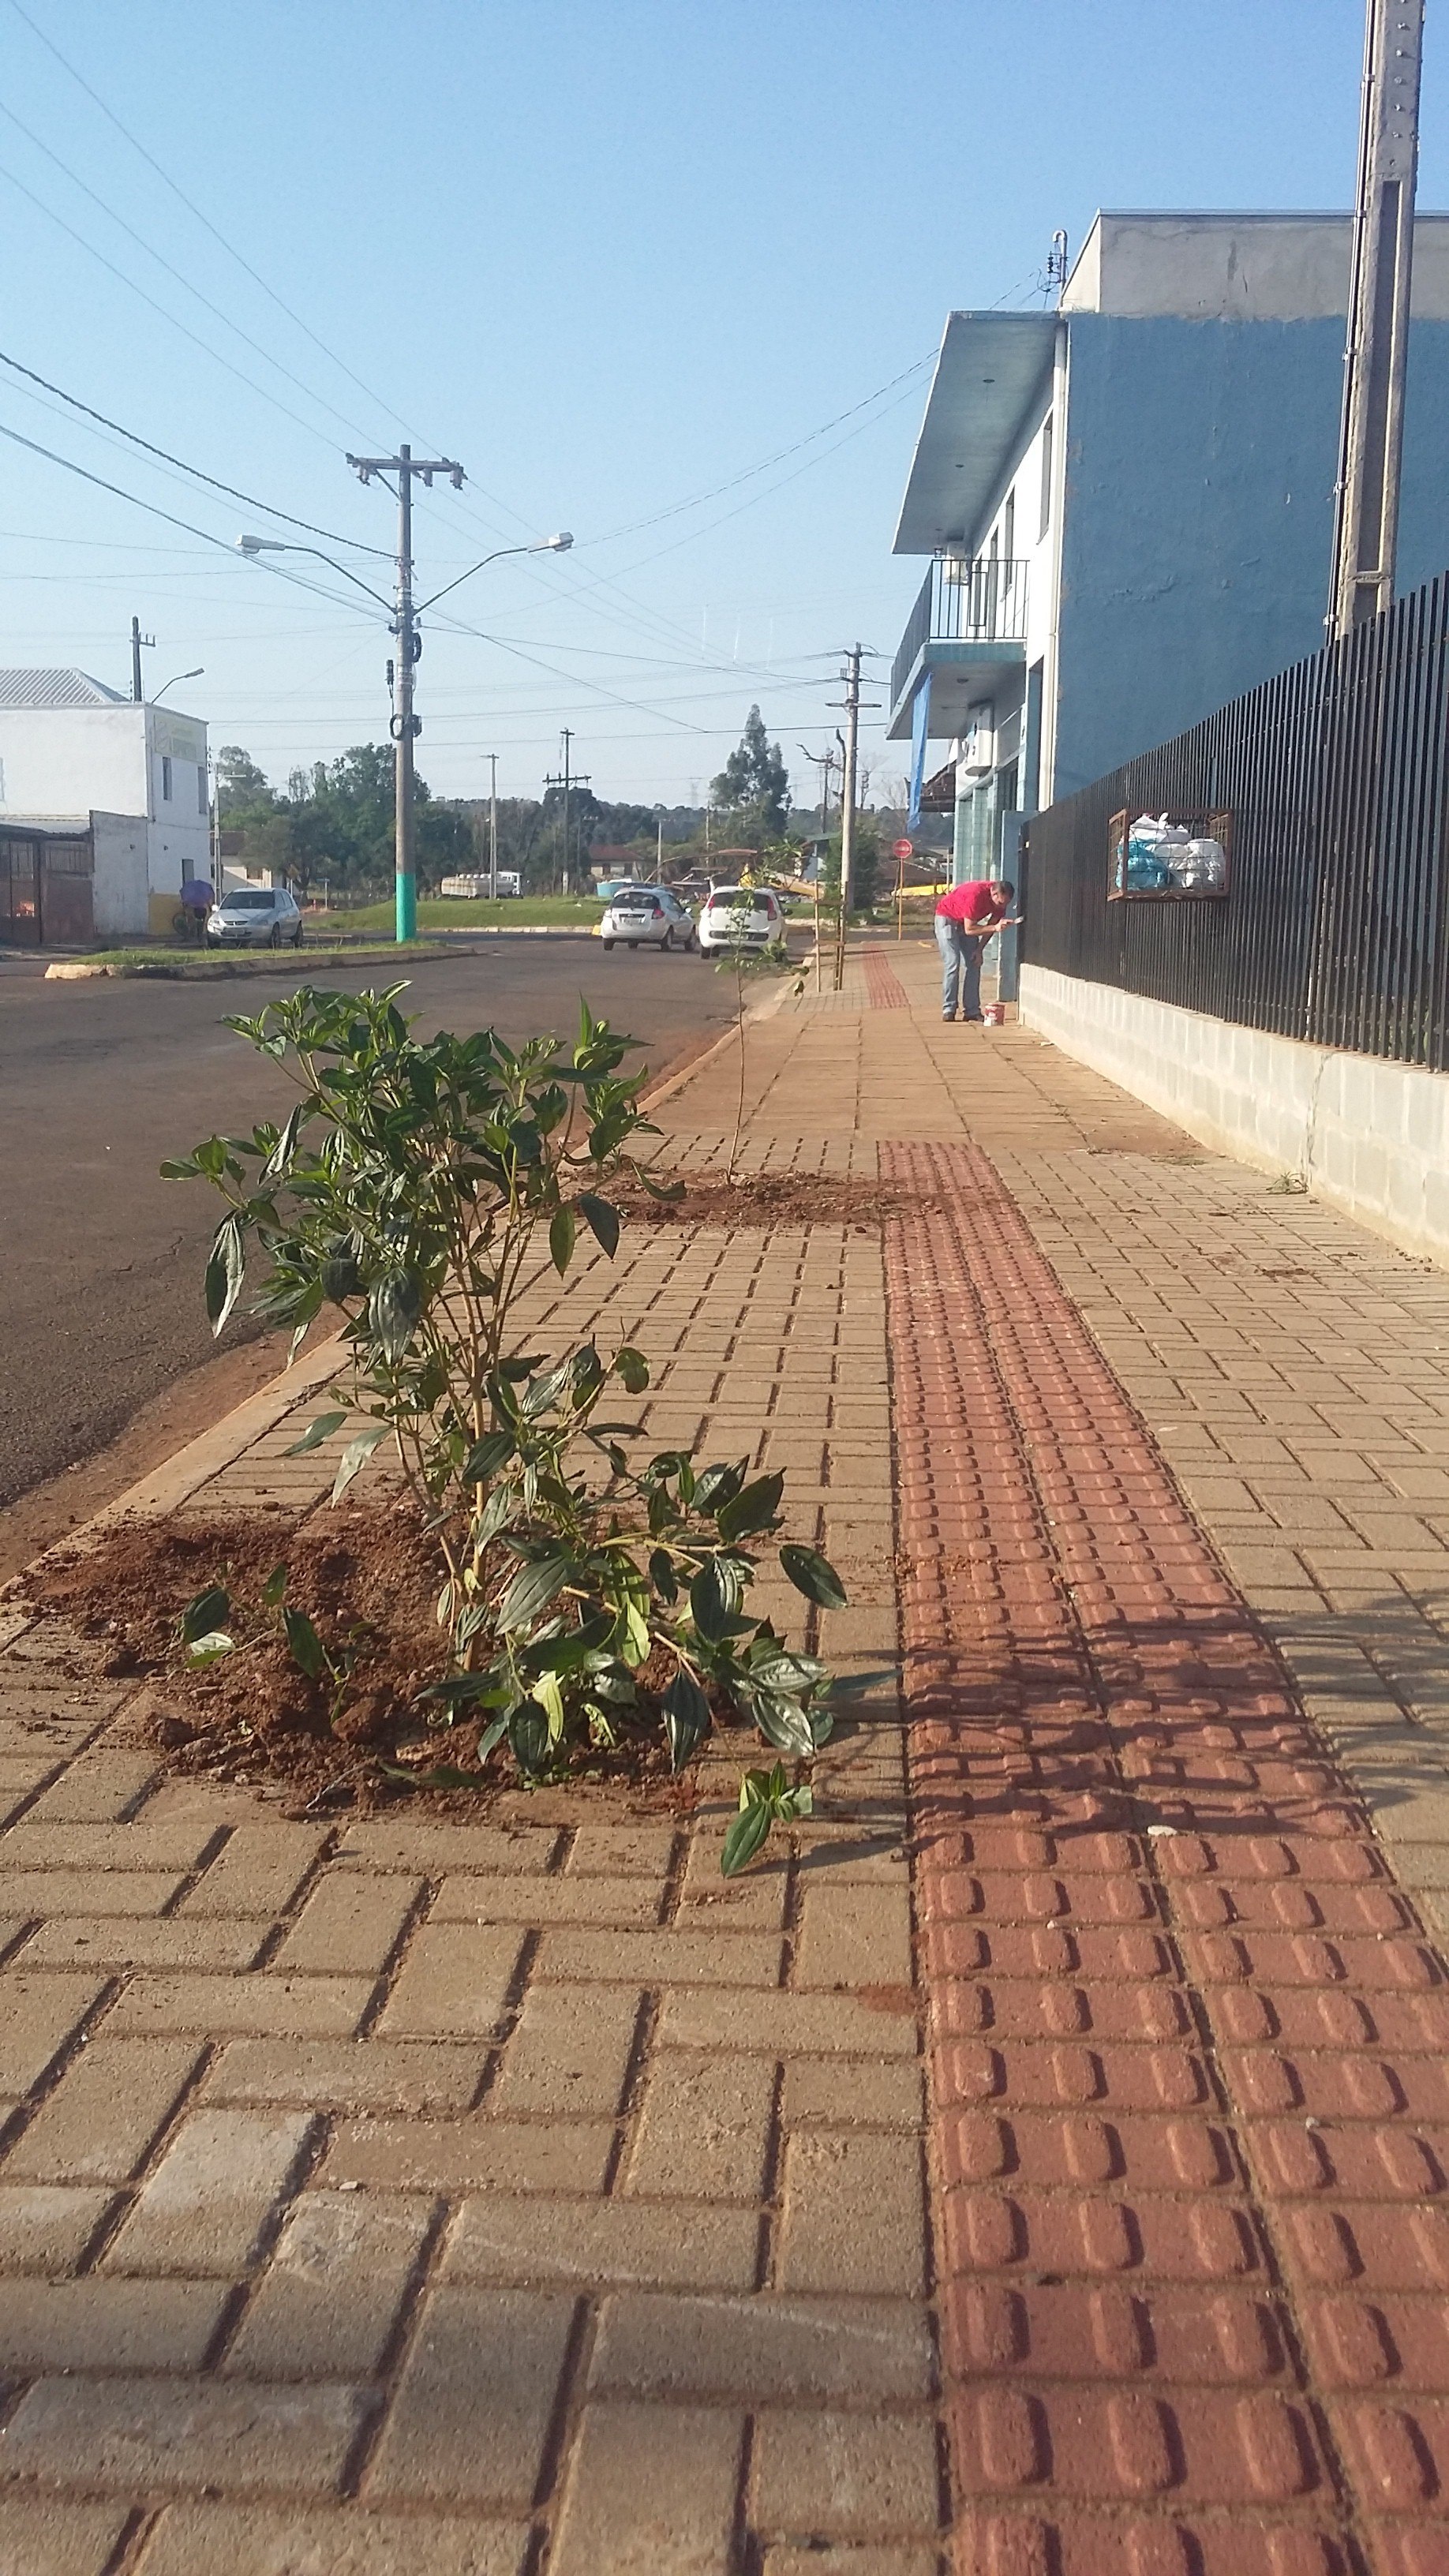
pixel 409 1189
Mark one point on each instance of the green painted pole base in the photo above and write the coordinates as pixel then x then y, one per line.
pixel 407 907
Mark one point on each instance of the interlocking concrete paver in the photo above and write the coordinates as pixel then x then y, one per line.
pixel 207 2202
pixel 651 2492
pixel 104 2114
pixel 257 2540
pixel 476 2398
pixel 127 2434
pixel 659 2139
pixel 333 2289
pixel 41 2536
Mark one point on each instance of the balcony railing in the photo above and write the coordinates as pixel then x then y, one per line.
pixel 977 601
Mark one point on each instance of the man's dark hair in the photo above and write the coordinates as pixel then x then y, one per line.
pixel 1007 888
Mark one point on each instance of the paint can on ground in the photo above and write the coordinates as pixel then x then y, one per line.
pixel 994 1015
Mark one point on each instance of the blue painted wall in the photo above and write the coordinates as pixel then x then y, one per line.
pixel 1201 459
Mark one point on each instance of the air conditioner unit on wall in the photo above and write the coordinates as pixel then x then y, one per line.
pixel 978 741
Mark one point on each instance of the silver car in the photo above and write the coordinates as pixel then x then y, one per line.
pixel 651 913
pixel 254 917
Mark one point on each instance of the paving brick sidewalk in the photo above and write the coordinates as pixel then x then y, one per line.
pixel 417 2196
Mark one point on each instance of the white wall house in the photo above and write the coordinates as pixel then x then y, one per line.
pixel 71 748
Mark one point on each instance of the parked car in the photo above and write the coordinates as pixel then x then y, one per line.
pixel 653 914
pixel 254 917
pixel 740 917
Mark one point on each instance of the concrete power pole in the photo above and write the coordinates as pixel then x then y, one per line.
pixel 493 826
pixel 405 725
pixel 1366 515
pixel 851 677
pixel 137 640
pixel 567 779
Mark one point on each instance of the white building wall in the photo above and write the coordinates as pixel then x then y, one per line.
pixel 119 887
pixel 67 760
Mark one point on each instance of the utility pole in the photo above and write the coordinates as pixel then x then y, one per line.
pixel 1366 511
pixel 566 779
pixel 493 826
pixel 852 703
pixel 405 725
pixel 138 692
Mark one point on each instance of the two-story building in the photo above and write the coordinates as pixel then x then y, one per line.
pixel 1129 502
pixel 104 808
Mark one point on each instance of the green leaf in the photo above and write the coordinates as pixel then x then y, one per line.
pixel 274 1589
pixel 601 1218
pixel 531 1591
pixel 484 1461
pixel 210 1648
pixel 187 1170
pixel 814 1576
pixel 633 1368
pixel 315 1433
pixel 713 1596
pixel 686 1718
pixel 286 1145
pixel 663 1577
pixel 545 1391
pixel 461 1688
pixel 561 1231
pixel 746 1835
pixel 756 1508
pixel 392 1311
pixel 775 1668
pixel 224 1272
pixel 206 1611
pixel 355 1457
pixel 785 1724
pixel 304 1645
pixel 528 1734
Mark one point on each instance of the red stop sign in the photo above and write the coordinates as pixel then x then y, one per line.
pixel 903 850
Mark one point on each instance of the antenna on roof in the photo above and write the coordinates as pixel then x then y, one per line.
pixel 1055 277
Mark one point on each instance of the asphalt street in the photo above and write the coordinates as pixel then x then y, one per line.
pixel 100 1259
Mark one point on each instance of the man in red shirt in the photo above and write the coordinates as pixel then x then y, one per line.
pixel 965 920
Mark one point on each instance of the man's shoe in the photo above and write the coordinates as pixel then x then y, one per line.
pixel 948 1017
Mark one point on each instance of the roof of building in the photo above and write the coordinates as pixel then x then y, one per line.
pixel 70 688
pixel 992 375
pixel 991 379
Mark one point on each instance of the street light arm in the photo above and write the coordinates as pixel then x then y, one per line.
pixel 558 545
pixel 197 674
pixel 273 546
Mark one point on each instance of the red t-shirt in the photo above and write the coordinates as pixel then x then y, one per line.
pixel 972 903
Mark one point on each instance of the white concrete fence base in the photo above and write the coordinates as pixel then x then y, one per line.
pixel 1369 1137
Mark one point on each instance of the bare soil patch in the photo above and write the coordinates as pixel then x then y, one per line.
pixel 714 1204
pixel 368 1579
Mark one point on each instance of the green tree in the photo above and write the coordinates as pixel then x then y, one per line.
pixel 240 785
pixel 753 788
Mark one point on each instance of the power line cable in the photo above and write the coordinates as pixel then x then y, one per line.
pixel 174 319
pixel 268 508
pixel 172 271
pixel 192 209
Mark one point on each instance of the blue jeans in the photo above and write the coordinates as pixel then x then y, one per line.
pixel 960 966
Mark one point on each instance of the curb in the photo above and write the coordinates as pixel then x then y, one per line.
pixel 221 970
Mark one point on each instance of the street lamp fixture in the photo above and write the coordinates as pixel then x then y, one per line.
pixel 197 674
pixel 402 619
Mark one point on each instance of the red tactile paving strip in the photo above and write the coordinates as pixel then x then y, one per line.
pixel 884 988
pixel 1188 2041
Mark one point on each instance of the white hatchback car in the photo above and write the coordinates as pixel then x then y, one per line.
pixel 739 917
pixel 652 914
pixel 254 917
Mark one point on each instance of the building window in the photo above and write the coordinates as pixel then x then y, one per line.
pixel 1046 479
pixel 165 779
pixel 201 787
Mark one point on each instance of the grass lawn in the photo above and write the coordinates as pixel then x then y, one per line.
pixel 459 912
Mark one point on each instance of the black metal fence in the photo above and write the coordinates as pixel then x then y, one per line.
pixel 1336 924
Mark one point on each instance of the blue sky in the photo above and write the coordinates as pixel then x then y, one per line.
pixel 613 255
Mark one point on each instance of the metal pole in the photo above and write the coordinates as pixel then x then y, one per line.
pixel 403 720
pixel 138 691
pixel 851 677
pixel 567 741
pixel 659 850
pixel 1366 514
pixel 493 827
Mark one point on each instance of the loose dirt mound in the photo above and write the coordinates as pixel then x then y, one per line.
pixel 368 1580
pixel 767 1199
